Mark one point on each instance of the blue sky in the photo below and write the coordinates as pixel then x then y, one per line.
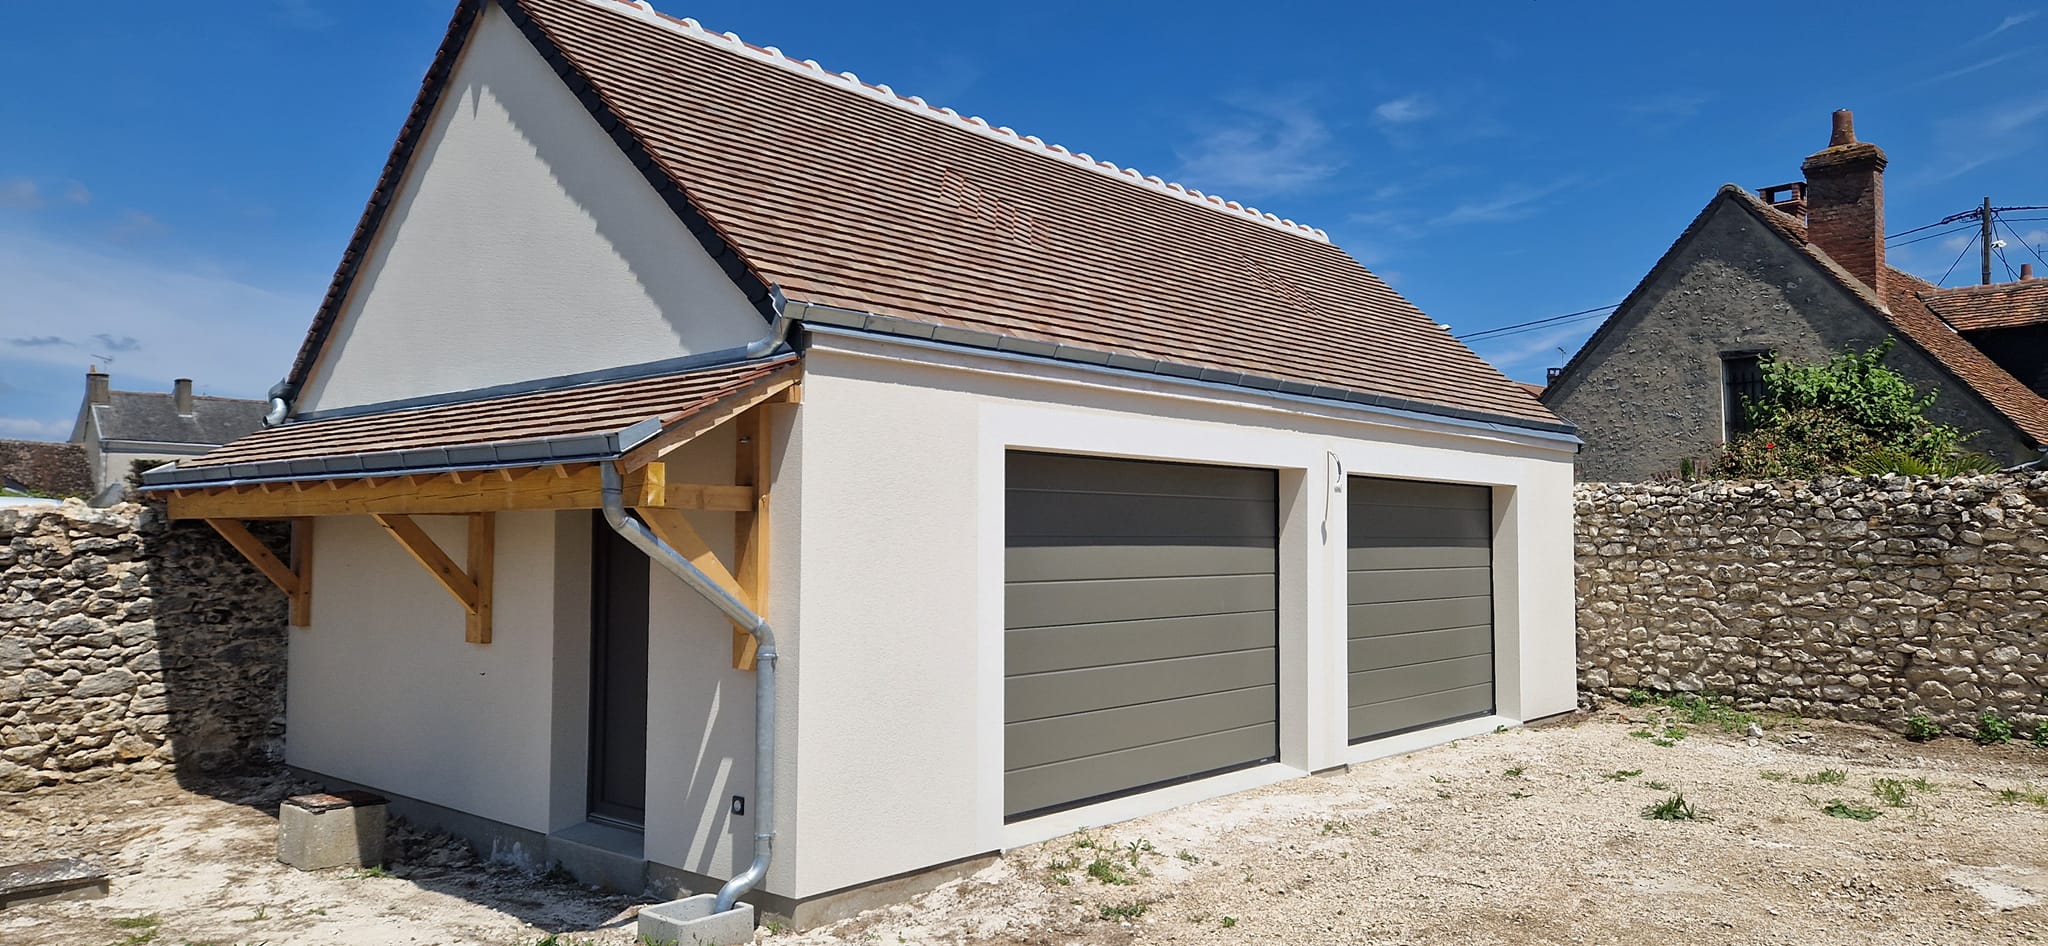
pixel 177 181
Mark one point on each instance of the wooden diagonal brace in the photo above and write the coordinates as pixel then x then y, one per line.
pixel 469 587
pixel 258 555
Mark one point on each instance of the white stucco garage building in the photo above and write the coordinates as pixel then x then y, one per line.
pixel 1070 494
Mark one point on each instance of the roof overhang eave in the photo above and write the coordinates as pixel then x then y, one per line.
pixel 580 448
pixel 833 317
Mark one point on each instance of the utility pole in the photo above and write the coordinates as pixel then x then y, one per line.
pixel 1984 241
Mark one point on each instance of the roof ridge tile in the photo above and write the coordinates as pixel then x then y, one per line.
pixel 774 55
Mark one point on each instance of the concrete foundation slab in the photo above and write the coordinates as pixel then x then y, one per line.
pixel 690 922
pixel 346 829
pixel 64 878
pixel 600 856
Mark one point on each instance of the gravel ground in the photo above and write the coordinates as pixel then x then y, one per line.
pixel 1526 836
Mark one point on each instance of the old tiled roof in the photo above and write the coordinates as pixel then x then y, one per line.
pixel 146 416
pixel 1903 308
pixel 514 426
pixel 39 466
pixel 845 195
pixel 1978 308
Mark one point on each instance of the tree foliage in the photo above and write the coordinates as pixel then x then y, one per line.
pixel 1848 414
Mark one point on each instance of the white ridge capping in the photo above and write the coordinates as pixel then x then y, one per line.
pixel 643 10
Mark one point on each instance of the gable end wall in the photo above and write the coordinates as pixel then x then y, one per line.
pixel 1649 396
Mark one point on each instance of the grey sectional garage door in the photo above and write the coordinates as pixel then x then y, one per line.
pixel 1421 591
pixel 1140 626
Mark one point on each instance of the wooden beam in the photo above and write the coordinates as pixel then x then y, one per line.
pixel 578 487
pixel 735 405
pixel 483 549
pixel 752 467
pixel 258 555
pixel 674 528
pixel 302 569
pixel 423 548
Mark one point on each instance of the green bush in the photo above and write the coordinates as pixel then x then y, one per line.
pixel 1920 727
pixel 1849 413
pixel 1993 729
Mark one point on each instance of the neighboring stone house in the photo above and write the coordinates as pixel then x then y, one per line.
pixel 118 428
pixel 1799 271
pixel 43 468
pixel 1073 495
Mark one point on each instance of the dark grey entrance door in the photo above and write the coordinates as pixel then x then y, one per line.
pixel 618 678
pixel 1140 626
pixel 1421 595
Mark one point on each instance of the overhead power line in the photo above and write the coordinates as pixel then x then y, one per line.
pixel 2023 241
pixel 1520 327
pixel 1959 259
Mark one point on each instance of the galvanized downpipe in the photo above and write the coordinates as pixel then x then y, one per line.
pixel 744 617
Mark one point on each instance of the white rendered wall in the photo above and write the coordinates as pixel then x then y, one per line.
pixel 523 244
pixel 901 582
pixel 381 690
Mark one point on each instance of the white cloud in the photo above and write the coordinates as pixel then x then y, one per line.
pixel 2009 22
pixel 1987 135
pixel 1515 202
pixel 33 428
pixel 67 304
pixel 20 193
pixel 1266 147
pixel 1401 111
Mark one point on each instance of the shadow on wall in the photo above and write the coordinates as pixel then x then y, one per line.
pixel 220 639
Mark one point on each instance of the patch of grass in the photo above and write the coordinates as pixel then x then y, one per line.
pixel 1773 775
pixel 1124 911
pixel 1622 775
pixel 1521 794
pixel 2041 734
pixel 1137 849
pixel 1675 808
pixel 1336 827
pixel 1187 858
pixel 1707 711
pixel 1227 922
pixel 1657 786
pixel 1824 777
pixel 1084 840
pixel 1515 772
pixel 1993 729
pixel 2014 796
pixel 1895 793
pixel 1837 808
pixel 1105 871
pixel 1920 727
pixel 141 929
pixel 377 871
pixel 1664 736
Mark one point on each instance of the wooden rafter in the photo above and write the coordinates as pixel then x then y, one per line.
pixel 781 387
pixel 295 580
pixel 752 467
pixel 471 587
pixel 575 486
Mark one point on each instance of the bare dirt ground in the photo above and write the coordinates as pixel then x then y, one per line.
pixel 1526 836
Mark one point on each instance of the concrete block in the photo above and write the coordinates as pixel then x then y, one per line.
pixel 690 922
pixel 346 829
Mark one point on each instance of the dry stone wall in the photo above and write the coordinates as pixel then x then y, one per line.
pixel 128 644
pixel 1868 600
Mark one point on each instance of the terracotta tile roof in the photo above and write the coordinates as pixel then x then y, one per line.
pixel 2004 305
pixel 384 440
pixel 1903 308
pixel 845 195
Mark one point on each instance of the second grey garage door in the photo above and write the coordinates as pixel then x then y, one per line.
pixel 1421 595
pixel 1140 626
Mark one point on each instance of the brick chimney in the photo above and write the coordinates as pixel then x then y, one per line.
pixel 1845 202
pixel 97 391
pixel 181 393
pixel 2026 271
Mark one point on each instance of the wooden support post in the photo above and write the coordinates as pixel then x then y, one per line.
pixel 674 528
pixel 483 547
pixel 253 549
pixel 752 468
pixel 465 585
pixel 302 568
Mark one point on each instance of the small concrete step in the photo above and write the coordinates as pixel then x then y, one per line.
pixel 64 878
pixel 602 856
